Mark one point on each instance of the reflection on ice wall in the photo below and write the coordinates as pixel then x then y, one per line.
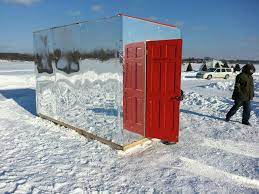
pixel 92 100
pixel 79 72
pixel 45 73
pixel 135 30
pixel 85 87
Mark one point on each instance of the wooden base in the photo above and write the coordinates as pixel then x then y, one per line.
pixel 95 137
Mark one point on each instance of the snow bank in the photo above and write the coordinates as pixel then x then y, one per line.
pixel 221 85
pixel 14 81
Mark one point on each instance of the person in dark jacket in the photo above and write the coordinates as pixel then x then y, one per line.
pixel 243 93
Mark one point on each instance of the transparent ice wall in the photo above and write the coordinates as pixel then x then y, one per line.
pixel 79 70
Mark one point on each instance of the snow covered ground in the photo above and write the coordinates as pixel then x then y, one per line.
pixel 37 156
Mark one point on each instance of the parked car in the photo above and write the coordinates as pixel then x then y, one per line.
pixel 215 73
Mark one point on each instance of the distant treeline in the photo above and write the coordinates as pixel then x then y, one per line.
pixel 44 61
pixel 17 56
pixel 239 61
pixel 101 54
pixel 236 61
pixel 106 54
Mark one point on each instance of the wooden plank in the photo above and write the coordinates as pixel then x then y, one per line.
pixel 95 137
pixel 135 143
pixel 84 133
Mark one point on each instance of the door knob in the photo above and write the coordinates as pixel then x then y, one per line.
pixel 179 98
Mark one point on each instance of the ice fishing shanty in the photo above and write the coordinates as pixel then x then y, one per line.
pixel 115 79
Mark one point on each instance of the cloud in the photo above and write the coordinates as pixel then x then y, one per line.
pixel 97 8
pixel 200 28
pixel 73 13
pixel 21 2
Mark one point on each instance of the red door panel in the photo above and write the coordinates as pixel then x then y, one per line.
pixel 163 68
pixel 133 86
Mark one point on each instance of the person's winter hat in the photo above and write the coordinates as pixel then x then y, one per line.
pixel 249 69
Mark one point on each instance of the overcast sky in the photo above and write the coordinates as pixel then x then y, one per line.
pixel 221 29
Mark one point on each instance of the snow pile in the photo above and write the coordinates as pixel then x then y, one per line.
pixel 210 112
pixel 221 85
pixel 193 98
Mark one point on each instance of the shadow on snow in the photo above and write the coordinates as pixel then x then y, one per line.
pixel 202 115
pixel 25 97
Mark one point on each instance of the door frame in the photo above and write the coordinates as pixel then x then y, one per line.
pixel 145 82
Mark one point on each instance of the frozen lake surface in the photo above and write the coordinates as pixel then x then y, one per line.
pixel 212 156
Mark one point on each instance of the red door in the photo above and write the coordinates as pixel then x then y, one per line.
pixel 133 85
pixel 163 68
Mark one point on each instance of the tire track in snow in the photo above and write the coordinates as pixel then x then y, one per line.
pixel 211 172
pixel 241 148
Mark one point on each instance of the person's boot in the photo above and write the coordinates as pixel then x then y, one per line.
pixel 246 123
pixel 227 119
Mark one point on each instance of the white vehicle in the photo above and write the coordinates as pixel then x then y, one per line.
pixel 215 73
